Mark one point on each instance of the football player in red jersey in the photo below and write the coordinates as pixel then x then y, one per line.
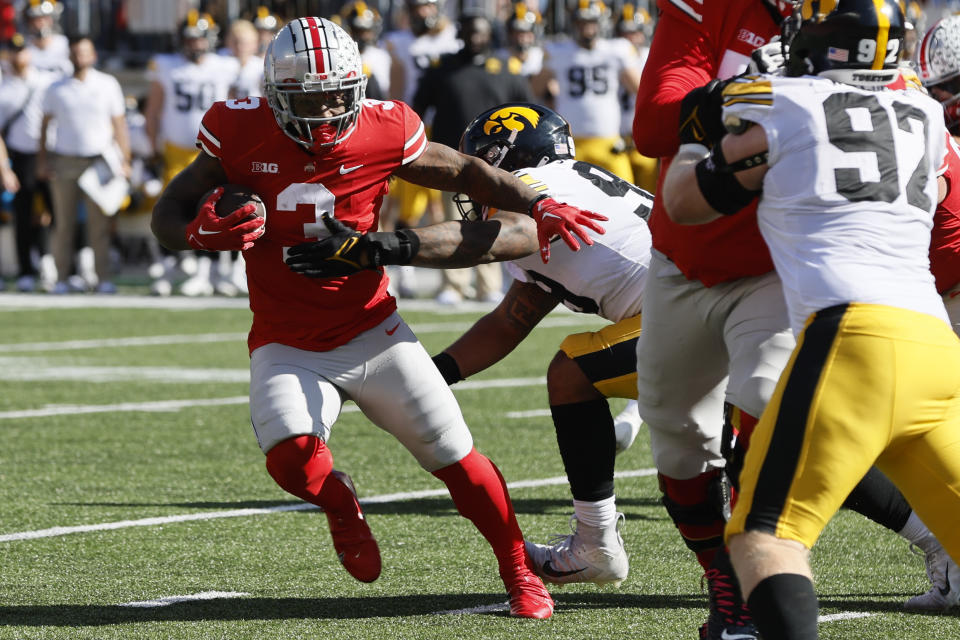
pixel 714 285
pixel 314 147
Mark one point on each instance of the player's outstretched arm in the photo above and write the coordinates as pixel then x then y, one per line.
pixel 177 205
pixel 452 244
pixel 702 186
pixel 440 167
pixel 496 334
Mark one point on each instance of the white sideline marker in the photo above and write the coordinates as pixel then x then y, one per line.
pixel 237 513
pixel 168 600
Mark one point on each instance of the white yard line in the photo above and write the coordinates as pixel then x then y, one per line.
pixel 177 405
pixel 487 608
pixel 845 615
pixel 238 513
pixel 201 338
pixel 168 600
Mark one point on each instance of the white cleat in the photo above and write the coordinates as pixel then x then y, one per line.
pixel 589 554
pixel 626 426
pixel 944 577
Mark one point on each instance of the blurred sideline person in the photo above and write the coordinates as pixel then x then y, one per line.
pixel 50 49
pixel 523 52
pixel 316 342
pixel 875 375
pixel 605 278
pixel 267 26
pixel 455 89
pixel 715 327
pixel 243 44
pixel 588 73
pixel 634 27
pixel 21 97
pixel 364 24
pixel 88 110
pixel 428 36
pixel 183 85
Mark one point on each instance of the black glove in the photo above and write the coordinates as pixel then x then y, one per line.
pixel 343 252
pixel 701 115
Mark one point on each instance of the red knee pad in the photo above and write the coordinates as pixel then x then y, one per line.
pixel 300 465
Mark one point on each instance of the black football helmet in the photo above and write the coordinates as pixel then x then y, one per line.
pixel 517 135
pixel 857 42
pixel 513 136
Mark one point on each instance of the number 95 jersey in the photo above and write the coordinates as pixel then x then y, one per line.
pixel 349 180
pixel 849 196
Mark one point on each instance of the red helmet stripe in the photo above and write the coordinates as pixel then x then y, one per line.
pixel 316 43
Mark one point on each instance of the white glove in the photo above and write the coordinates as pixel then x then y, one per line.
pixel 769 58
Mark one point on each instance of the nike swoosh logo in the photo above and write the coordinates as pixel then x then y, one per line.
pixel 204 232
pixel 726 635
pixel 553 573
pixel 390 332
pixel 550 215
pixel 946 578
pixel 344 169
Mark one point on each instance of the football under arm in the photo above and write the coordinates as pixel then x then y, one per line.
pixel 462 243
pixel 177 205
pixel 499 332
pixel 697 190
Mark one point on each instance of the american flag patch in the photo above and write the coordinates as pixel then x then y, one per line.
pixel 840 55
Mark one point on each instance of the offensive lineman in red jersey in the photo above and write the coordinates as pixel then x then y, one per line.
pixel 315 342
pixel 714 284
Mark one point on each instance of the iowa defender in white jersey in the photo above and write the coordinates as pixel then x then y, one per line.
pixel 846 172
pixel 605 278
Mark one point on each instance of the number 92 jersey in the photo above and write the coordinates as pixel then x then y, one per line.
pixel 848 199
pixel 349 179
pixel 607 277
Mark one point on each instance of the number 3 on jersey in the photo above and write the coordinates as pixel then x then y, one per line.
pixel 314 193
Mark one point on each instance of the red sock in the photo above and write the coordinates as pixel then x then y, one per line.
pixel 700 523
pixel 480 494
pixel 301 466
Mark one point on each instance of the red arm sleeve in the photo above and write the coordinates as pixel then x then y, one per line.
pixel 681 58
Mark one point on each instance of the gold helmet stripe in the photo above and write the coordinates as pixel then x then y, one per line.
pixel 883 34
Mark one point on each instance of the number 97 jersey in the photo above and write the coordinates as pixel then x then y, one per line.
pixel 297 187
pixel 849 196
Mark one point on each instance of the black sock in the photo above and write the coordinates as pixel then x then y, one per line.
pixel 878 499
pixel 588 446
pixel 784 606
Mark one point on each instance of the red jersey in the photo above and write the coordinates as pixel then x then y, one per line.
pixel 349 179
pixel 694 42
pixel 945 236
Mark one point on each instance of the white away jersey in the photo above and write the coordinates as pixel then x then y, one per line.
pixel 847 216
pixel 607 277
pixel 589 81
pixel 189 89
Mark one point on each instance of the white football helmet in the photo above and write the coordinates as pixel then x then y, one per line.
pixel 313 68
pixel 938 65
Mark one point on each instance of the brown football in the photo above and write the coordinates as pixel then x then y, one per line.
pixel 235 196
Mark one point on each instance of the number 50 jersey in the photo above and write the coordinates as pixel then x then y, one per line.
pixel 349 180
pixel 849 196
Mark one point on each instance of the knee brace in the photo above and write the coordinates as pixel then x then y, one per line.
pixel 300 465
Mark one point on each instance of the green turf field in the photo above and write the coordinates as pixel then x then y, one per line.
pixel 135 504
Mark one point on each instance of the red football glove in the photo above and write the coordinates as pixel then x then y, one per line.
pixel 555 218
pixel 210 232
